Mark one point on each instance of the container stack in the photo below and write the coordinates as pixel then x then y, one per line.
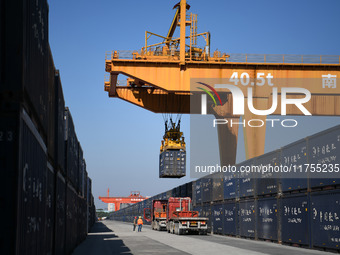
pixel 34 178
pixel 304 211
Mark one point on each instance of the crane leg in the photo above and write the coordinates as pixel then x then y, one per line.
pixel 254 137
pixel 227 141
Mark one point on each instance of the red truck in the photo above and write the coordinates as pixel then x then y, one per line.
pixel 158 214
pixel 181 219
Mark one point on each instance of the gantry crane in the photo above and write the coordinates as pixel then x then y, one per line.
pixel 160 76
pixel 134 197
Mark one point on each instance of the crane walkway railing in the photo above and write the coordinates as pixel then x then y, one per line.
pixel 249 58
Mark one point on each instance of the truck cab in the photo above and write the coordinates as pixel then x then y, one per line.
pixel 181 219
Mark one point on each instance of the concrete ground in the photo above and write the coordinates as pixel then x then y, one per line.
pixel 114 237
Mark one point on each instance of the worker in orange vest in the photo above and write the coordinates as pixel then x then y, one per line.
pixel 140 224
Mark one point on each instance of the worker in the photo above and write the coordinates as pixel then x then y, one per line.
pixel 140 224
pixel 134 223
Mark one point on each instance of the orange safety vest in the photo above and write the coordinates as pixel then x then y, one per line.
pixel 140 222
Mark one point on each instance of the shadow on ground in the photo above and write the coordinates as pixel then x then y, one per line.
pixel 102 240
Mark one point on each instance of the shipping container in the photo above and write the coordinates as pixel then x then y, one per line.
pixel 71 218
pixel 218 218
pixel 217 187
pixel 60 124
pixel 198 191
pixel 267 183
pixel 183 190
pixel 247 181
pixel 60 214
pixel 293 156
pixel 24 59
pixel 206 183
pixel 267 220
pixel 72 149
pixel 247 224
pixel 189 189
pixel 324 149
pixel 81 169
pixel 52 109
pixel 325 222
pixel 231 218
pixel 294 217
pixel 23 172
pixel 32 186
pixel 230 183
pixel 49 210
pixel 9 179
pixel 199 210
pixel 172 164
pixel 206 212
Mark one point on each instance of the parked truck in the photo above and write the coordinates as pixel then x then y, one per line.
pixel 181 219
pixel 158 214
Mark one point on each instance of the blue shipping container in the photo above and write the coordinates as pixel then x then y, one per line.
pixel 267 223
pixel 206 184
pixel 247 218
pixel 267 182
pixel 246 181
pixel 230 186
pixel 230 223
pixel 198 191
pixel 218 218
pixel 325 222
pixel 324 149
pixel 294 215
pixel 292 155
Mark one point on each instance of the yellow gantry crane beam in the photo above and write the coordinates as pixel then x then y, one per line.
pixel 162 76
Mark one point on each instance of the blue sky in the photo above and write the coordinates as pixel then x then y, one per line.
pixel 121 141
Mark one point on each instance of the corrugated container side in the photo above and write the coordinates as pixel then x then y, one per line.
pixel 217 187
pixel 206 212
pixel 231 221
pixel 60 215
pixel 247 183
pixel 247 218
pixel 193 190
pixel 230 186
pixel 266 183
pixel 325 222
pixel 71 218
pixel 72 162
pixel 199 210
pixel 49 210
pixel 294 217
pixel 80 182
pixel 294 154
pixel 189 189
pixel 24 57
pixel 32 186
pixel 198 191
pixel 218 218
pixel 9 175
pixel 51 134
pixel 324 148
pixel 183 191
pixel 267 220
pixel 206 183
pixel 60 124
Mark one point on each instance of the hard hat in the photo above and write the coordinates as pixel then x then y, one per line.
pixel 140 217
